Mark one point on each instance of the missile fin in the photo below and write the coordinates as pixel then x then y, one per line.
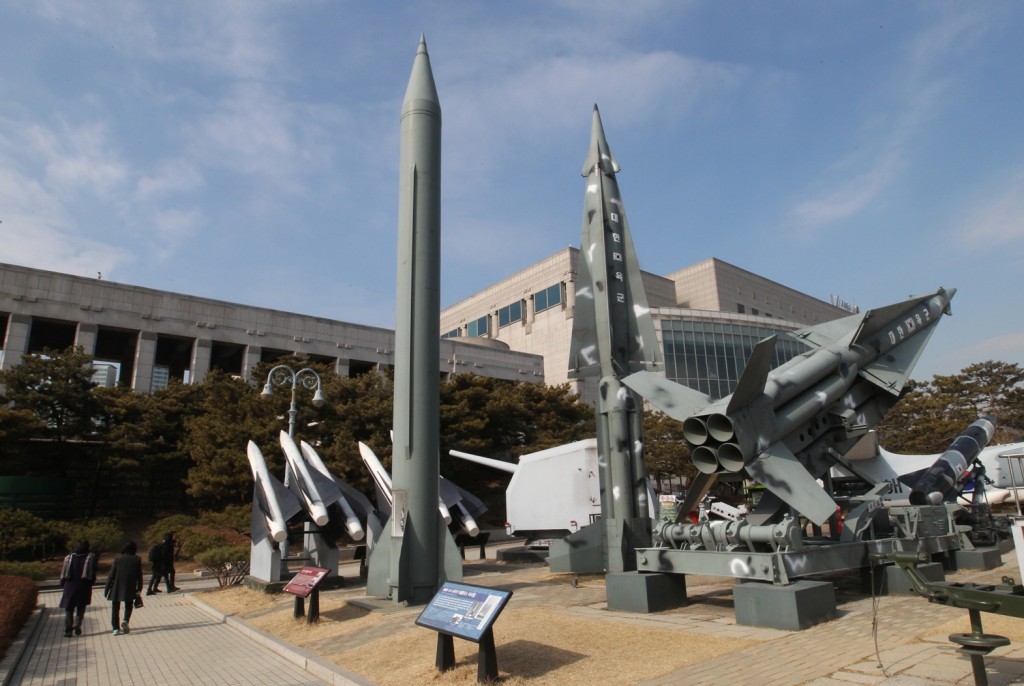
pixel 583 354
pixel 778 470
pixel 828 333
pixel 877 319
pixel 643 350
pixel 359 502
pixel 891 371
pixel 289 502
pixel 258 527
pixel 755 375
pixel 702 483
pixel 677 401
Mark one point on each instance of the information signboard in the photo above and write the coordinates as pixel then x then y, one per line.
pixel 463 611
pixel 306 581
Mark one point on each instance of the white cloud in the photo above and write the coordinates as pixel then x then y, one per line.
pixel 254 131
pixel 997 221
pixel 904 105
pixel 174 176
pixel 233 37
pixel 846 200
pixel 36 230
pixel 1006 347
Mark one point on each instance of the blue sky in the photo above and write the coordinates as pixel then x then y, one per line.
pixel 248 150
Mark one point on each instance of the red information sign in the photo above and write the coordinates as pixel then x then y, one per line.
pixel 306 581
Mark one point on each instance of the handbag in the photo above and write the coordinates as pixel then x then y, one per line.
pixel 138 600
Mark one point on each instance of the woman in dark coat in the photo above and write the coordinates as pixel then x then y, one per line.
pixel 123 584
pixel 77 576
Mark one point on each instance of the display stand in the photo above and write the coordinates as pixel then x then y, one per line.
pixel 306 584
pixel 466 612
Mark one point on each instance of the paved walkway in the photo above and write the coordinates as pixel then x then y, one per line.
pixel 173 640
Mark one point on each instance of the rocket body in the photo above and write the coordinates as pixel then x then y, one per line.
pixel 413 570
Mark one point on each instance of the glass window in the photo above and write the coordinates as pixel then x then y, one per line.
pixel 510 313
pixel 547 298
pixel 711 356
pixel 454 333
pixel 477 327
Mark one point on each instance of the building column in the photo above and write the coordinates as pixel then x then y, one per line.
pixel 570 297
pixel 341 367
pixel 85 337
pixel 16 342
pixel 145 357
pixel 250 358
pixel 199 365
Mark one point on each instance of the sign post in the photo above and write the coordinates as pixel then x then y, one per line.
pixel 306 584
pixel 467 612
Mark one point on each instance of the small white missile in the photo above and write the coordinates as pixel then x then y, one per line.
pixel 352 524
pixel 275 520
pixel 304 483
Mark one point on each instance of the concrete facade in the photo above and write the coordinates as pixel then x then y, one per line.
pixel 152 336
pixel 709 293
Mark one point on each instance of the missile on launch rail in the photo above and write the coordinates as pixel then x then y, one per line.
pixel 273 504
pixel 302 483
pixel 781 427
pixel 335 495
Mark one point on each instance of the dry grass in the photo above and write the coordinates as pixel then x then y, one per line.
pixel 539 638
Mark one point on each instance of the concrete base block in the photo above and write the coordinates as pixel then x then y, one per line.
pixel 979 558
pixel 800 605
pixel 636 592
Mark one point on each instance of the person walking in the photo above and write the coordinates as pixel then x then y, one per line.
pixel 167 559
pixel 77 575
pixel 123 586
pixel 156 557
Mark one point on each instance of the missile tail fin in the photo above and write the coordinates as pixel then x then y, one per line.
pixel 892 370
pixel 289 502
pixel 877 319
pixel 755 375
pixel 583 352
pixel 702 483
pixel 778 470
pixel 677 401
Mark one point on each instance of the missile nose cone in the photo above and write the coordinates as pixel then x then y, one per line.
pixel 599 153
pixel 421 93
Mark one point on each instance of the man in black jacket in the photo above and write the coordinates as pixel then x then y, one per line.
pixel 123 585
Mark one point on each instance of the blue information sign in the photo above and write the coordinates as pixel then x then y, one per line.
pixel 463 611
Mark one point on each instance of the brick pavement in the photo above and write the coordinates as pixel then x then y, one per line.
pixel 172 641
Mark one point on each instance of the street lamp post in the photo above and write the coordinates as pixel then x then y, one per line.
pixel 283 375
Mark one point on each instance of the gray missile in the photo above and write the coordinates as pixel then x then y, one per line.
pixel 781 427
pixel 942 477
pixel 612 335
pixel 412 569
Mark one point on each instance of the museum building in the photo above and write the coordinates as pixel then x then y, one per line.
pixel 707 318
pixel 143 338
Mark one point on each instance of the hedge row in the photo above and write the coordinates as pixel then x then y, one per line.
pixel 18 597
